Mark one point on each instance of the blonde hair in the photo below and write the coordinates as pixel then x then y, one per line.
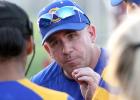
pixel 124 51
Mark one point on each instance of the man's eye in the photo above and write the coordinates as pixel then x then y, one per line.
pixel 54 43
pixel 71 36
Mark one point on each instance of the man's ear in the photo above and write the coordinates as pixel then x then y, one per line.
pixel 30 45
pixel 91 30
pixel 47 48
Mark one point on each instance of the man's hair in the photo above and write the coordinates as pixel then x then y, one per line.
pixel 15 29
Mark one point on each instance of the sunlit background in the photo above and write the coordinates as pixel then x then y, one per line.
pixel 99 11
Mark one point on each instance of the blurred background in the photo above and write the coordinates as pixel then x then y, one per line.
pixel 102 15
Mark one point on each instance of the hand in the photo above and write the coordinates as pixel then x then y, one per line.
pixel 88 80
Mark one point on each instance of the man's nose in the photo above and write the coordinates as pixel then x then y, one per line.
pixel 67 48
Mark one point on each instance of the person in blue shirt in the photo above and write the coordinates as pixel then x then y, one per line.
pixel 70 39
pixel 16 43
pixel 130 4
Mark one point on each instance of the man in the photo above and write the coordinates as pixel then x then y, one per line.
pixel 16 42
pixel 130 4
pixel 70 39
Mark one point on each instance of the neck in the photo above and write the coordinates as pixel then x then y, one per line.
pixel 11 70
pixel 94 59
pixel 67 75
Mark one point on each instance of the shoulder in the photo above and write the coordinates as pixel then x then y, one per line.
pixel 47 73
pixel 104 53
pixel 102 61
pixel 45 93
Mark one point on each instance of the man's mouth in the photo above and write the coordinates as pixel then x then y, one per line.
pixel 71 59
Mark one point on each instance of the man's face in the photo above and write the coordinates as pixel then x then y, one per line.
pixel 130 6
pixel 71 49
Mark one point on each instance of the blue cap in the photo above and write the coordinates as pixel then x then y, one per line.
pixel 73 21
pixel 117 2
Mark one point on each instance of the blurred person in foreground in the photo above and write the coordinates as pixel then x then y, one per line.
pixel 70 39
pixel 130 4
pixel 124 51
pixel 16 42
